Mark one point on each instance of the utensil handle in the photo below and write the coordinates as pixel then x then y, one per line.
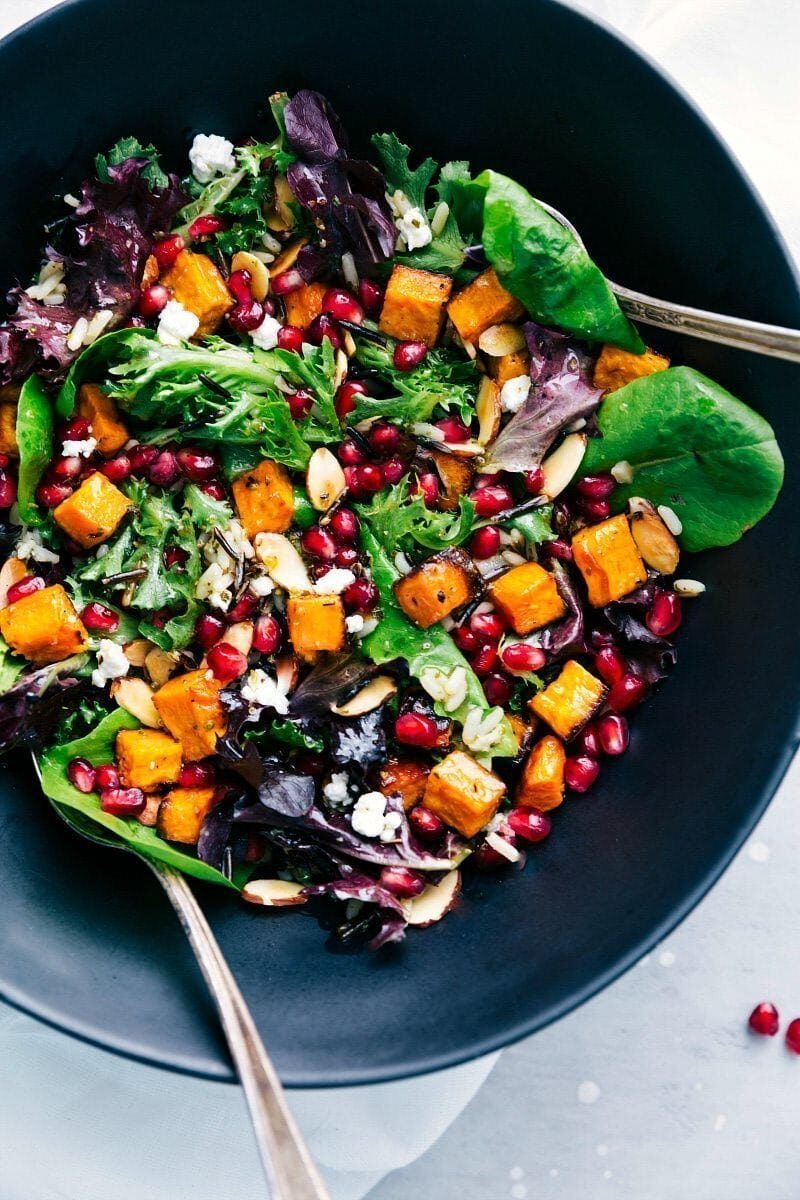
pixel 774 340
pixel 288 1165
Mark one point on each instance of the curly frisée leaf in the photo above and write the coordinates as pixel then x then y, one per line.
pixel 401 517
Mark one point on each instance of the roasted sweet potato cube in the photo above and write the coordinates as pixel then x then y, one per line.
pixel 147 758
pixel 414 306
pixel 92 513
pixel 304 305
pixel 607 557
pixel 510 366
pixel 264 499
pixel 316 624
pixel 182 812
pixel 197 284
pixel 570 700
pixel 436 588
pixel 190 707
pixel 542 782
pixel 482 303
pixel 463 793
pixel 8 430
pixel 44 626
pixel 456 476
pixel 614 368
pixel 405 778
pixel 101 412
pixel 528 597
pixel 523 732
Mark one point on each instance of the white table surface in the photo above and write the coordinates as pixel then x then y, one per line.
pixel 654 1088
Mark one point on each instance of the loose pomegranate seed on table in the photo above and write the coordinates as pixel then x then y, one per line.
pixel 97 616
pixel 793 1036
pixel 416 729
pixel 529 823
pixel 340 305
pixel 117 469
pixel 206 226
pixel 588 742
pixel 408 355
pixel 402 882
pixel 347 395
pixel 286 281
pixel 319 544
pixel 290 338
pixel 581 772
pixel 370 296
pixel 360 596
pixel 208 630
pixel 266 635
pixel 106 776
pixel 122 802
pixel 167 250
pixel 596 487
pixel 300 404
pixel 492 499
pixel 613 733
pixel 520 656
pixel 226 662
pixel 24 587
pixel 610 664
pixel 626 693
pixel 153 300
pixel 81 775
pixel 665 616
pixel 197 774
pixel 345 525
pixel 486 858
pixel 425 824
pixel 764 1019
pixel 323 327
pixel 485 542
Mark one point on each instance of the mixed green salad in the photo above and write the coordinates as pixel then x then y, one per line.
pixel 343 511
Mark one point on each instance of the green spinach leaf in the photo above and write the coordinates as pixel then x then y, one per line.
pixel 35 431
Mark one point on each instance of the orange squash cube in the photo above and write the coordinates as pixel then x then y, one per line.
pixel 92 513
pixel 463 793
pixel 8 430
pixel 101 413
pixel 542 783
pixel 405 778
pixel 182 812
pixel 44 626
pixel 316 624
pixel 147 758
pixel 437 587
pixel 570 700
pixel 510 366
pixel 482 303
pixel 414 305
pixel 197 284
pixel 190 707
pixel 528 597
pixel 609 561
pixel 304 305
pixel 264 499
pixel 614 368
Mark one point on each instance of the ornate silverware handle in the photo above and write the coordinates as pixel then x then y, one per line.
pixel 774 340
pixel 290 1169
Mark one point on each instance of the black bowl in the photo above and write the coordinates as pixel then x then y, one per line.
pixel 563 105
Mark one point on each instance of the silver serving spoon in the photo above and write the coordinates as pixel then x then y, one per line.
pixel 288 1165
pixel 774 340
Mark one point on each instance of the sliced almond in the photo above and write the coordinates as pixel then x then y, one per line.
pixel 287 257
pixel 325 481
pixel 560 467
pixel 259 275
pixel 12 571
pixel 137 651
pixel 283 563
pixel 654 541
pixel 435 902
pixel 287 671
pixel 160 666
pixel 273 893
pixel 136 697
pixel 488 410
pixel 498 340
pixel 240 636
pixel 282 215
pixel 376 693
pixel 149 814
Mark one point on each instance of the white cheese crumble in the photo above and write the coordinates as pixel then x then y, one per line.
pixel 30 545
pixel 211 155
pixel 261 585
pixel 265 335
pixel 370 819
pixel 623 471
pixel 112 663
pixel 481 732
pixel 335 791
pixel 670 519
pixel 514 393
pixel 263 690
pixel 354 623
pixel 334 582
pixel 79 449
pixel 689 587
pixel 449 689
pixel 216 586
pixel 414 229
pixel 176 324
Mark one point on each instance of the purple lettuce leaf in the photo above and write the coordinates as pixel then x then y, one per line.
pixel 329 683
pixel 650 656
pixel 389 910
pixel 32 710
pixel 359 742
pixel 215 833
pixel 568 634
pixel 313 129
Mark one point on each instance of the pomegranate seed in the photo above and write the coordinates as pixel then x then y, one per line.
pixel 596 487
pixel 353 486
pixel 610 664
pixel 323 327
pixel 360 596
pixel 454 429
pixel 106 776
pixel 764 1019
pixel 350 454
pixel 408 355
pixel 267 635
pixel 486 858
pixel 484 659
pixel 426 824
pixel 4 461
pixel 485 542
pixel 141 457
pixel 529 823
pixel 244 318
pixel 384 437
pixel 66 468
pixel 534 481
pixel 208 630
pixel 589 742
pixel 613 734
pixel 371 297
pixel 665 615
pixel 197 465
pixel 793 1036
pixel 581 772
pixel 497 689
pixel 226 662
pixel 465 639
pixel 290 338
pixel 482 481
pixel 8 490
pixel 520 656
pixel 204 227
pixel 394 469
pixel 256 848
pixel 287 281
pixel 346 396
pixel 626 693
pixel 416 729
pixel 76 430
pixel 164 470
pixel 122 802
pixel 175 556
pixel 167 250
pixel 426 485
pixel 25 587
pixel 300 404
pixel 402 882
pixel 240 286
pixel 488 626
pixel 369 477
pixel 492 499
pixel 243 608
pixel 346 557
pixel 214 489
pixel 117 469
pixel 559 549
pixel 596 510
pixel 319 544
pixel 50 495
pixel 340 305
pixel 345 525
pixel 154 300
pixel 80 773
pixel 97 616
pixel 197 774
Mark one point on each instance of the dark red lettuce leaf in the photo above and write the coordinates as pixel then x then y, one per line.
pixel 568 634
pixel 389 915
pixel 650 656
pixel 32 710
pixel 330 682
pixel 359 742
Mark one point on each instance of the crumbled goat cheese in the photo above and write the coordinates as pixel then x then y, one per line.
pixel 334 582
pixel 370 819
pixel 216 586
pixel 689 587
pixel 335 791
pixel 623 471
pixel 176 324
pixel 670 519
pixel 514 393
pixel 414 229
pixel 30 545
pixel 354 623
pixel 265 335
pixel 263 690
pixel 112 663
pixel 449 689
pixel 211 155
pixel 82 449
pixel 369 626
pixel 481 732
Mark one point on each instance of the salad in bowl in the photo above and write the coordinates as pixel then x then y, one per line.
pixel 344 515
